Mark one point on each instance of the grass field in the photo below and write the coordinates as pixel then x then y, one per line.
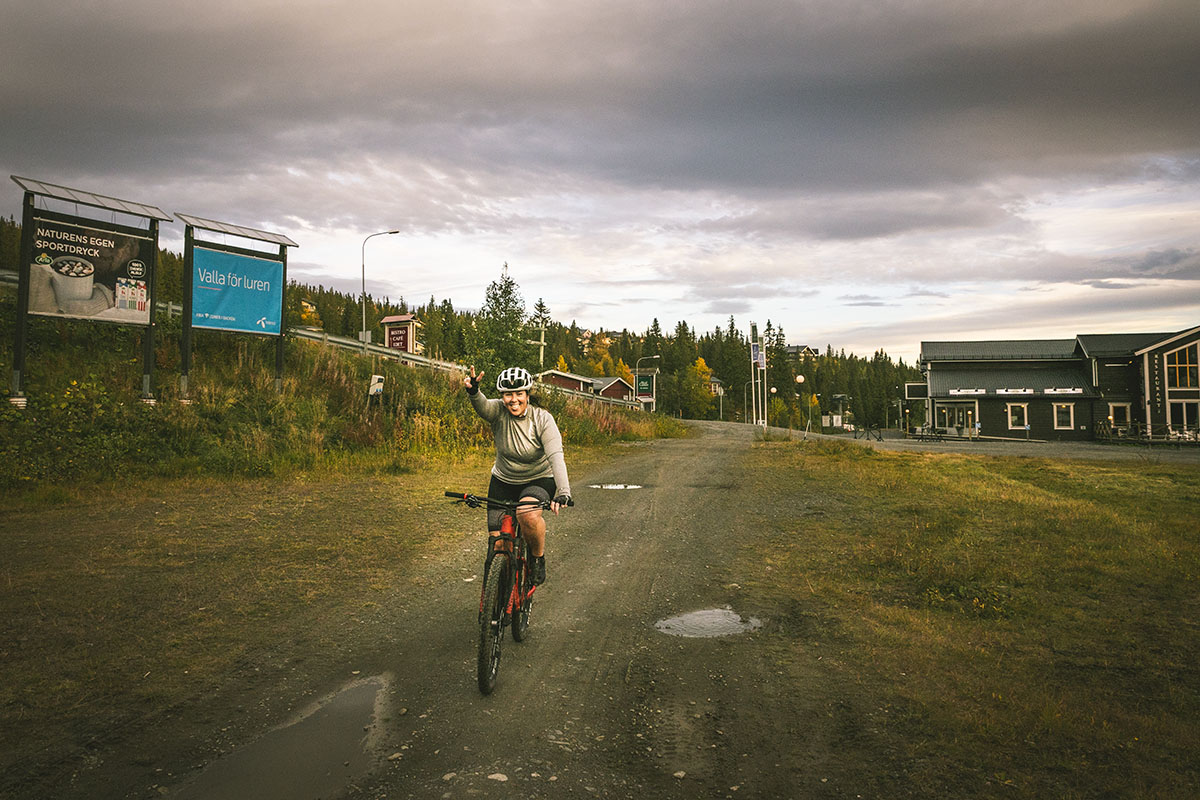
pixel 1005 627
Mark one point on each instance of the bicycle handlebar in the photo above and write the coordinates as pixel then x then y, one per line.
pixel 474 501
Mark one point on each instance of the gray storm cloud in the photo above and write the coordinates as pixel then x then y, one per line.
pixel 744 136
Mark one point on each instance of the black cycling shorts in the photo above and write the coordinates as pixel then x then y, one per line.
pixel 542 489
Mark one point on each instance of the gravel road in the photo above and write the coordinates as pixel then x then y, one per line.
pixel 598 702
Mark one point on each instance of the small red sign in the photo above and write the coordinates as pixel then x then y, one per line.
pixel 398 338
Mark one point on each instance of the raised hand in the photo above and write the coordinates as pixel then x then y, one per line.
pixel 471 381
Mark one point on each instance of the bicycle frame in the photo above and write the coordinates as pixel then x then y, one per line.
pixel 508 541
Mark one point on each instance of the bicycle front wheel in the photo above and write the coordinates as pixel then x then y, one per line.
pixel 491 622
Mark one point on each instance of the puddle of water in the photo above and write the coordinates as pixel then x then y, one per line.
pixel 614 486
pixel 708 623
pixel 314 756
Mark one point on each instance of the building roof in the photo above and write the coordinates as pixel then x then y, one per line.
pixel 965 383
pixel 1002 350
pixel 600 384
pixel 1116 345
pixel 1090 345
pixel 568 375
pixel 1168 338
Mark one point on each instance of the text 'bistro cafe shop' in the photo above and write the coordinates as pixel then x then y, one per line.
pixel 1092 386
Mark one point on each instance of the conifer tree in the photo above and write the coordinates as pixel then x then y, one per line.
pixel 497 340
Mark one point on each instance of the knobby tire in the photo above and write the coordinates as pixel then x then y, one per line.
pixel 491 622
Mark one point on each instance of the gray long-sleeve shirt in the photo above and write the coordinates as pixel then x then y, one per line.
pixel 527 447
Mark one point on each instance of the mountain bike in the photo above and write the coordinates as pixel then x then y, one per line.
pixel 506 599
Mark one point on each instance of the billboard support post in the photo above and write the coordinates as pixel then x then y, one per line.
pixel 185 337
pixel 282 323
pixel 17 390
pixel 148 336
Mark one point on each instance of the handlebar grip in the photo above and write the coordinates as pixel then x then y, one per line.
pixel 456 495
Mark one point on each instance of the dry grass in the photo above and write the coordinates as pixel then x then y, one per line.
pixel 1014 627
pixel 120 602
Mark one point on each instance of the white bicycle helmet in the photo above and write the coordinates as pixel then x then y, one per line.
pixel 514 379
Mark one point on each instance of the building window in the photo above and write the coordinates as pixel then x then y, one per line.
pixel 1118 415
pixel 1018 416
pixel 1064 416
pixel 1185 415
pixel 1183 368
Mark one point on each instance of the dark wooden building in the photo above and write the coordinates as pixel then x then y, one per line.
pixel 616 388
pixel 1143 384
pixel 566 380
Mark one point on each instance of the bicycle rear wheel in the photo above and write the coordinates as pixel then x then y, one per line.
pixel 496 589
pixel 520 623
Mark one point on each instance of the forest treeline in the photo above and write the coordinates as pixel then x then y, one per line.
pixel 501 331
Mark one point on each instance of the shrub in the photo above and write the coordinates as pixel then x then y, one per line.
pixel 88 426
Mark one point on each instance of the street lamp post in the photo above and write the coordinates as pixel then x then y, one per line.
pixel 363 334
pixel 799 383
pixel 637 368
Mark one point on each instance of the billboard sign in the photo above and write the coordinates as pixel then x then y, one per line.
pixel 236 292
pixel 397 337
pixel 916 391
pixel 87 269
pixel 645 387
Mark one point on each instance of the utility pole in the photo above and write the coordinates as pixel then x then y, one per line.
pixel 541 319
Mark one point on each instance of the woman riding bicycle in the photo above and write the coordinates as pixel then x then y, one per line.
pixel 529 457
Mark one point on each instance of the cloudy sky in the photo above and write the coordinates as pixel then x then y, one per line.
pixel 866 173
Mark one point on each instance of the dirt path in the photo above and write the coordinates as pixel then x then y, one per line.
pixel 597 702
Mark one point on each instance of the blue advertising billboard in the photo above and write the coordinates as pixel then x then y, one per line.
pixel 236 292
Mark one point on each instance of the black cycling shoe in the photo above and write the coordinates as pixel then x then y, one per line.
pixel 539 570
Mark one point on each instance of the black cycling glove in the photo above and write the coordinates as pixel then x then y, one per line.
pixel 564 500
